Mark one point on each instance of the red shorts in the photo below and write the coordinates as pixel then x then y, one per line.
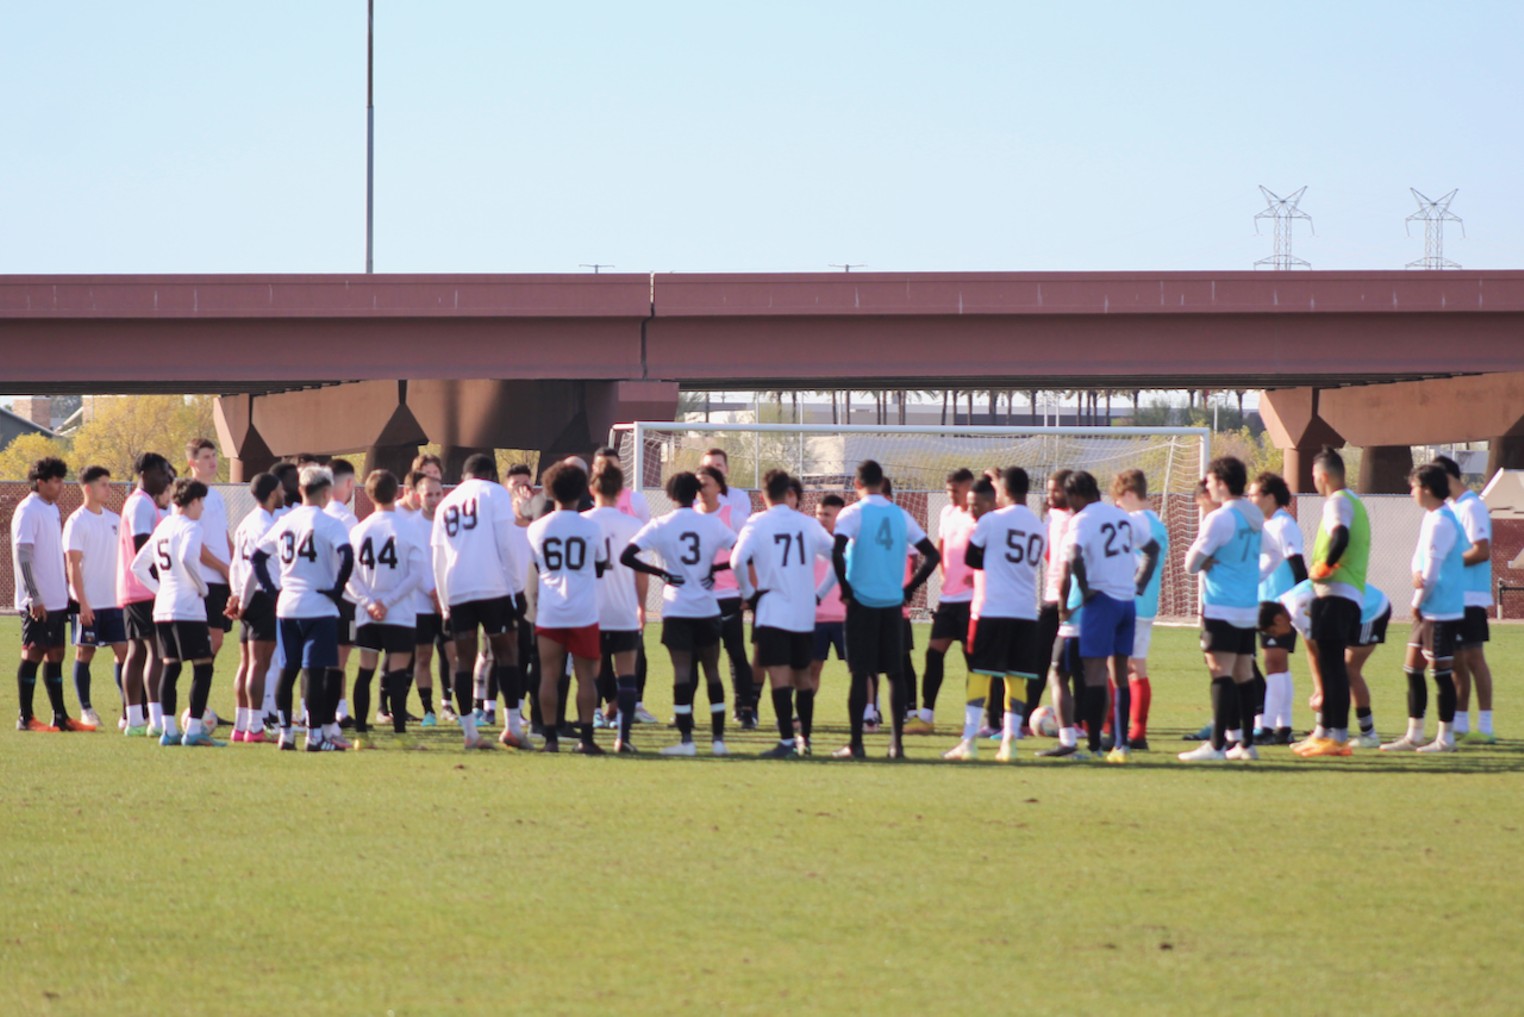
pixel 579 642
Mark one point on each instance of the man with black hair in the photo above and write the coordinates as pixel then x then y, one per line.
pixel 475 560
pixel 1340 557
pixel 216 546
pixel 140 673
pixel 417 508
pixel 873 539
pixel 1226 552
pixel 315 561
pixel 344 482
pixel 714 500
pixel 621 596
pixel 1282 565
pixel 170 565
pixel 1057 519
pixel 90 547
pixel 781 546
pixel 42 595
pixel 1439 611
pixel 1471 654
pixel 256 635
pixel 687 542
pixel 950 621
pixel 631 501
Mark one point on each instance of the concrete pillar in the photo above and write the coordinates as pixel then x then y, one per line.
pixel 1505 453
pixel 455 457
pixel 396 458
pixel 1298 430
pixel 1384 469
pixel 243 446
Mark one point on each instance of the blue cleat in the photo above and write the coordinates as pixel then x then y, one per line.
pixel 169 738
pixel 202 740
pixel 429 720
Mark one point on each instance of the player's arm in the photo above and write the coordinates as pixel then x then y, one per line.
pixel 630 559
pixel 974 556
pixel 1217 531
pixel 1436 544
pixel 1338 537
pixel 839 566
pixel 1075 568
pixel 191 555
pixel 75 560
pixel 441 570
pixel 1480 549
pixel 26 554
pixel 346 569
pixel 212 562
pixel 740 558
pixel 259 577
pixel 1148 565
pixel 1065 577
pixel 143 567
pixel 930 558
pixel 601 563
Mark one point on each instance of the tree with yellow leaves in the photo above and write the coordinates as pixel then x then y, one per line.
pixel 26 449
pixel 118 429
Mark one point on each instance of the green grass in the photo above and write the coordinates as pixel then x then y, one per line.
pixel 141 880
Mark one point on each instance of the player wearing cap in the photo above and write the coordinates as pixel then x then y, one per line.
pixel 774 564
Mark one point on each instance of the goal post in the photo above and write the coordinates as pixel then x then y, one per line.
pixel 917 459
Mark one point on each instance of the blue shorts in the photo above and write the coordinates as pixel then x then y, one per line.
pixel 314 642
pixel 827 635
pixel 1106 627
pixel 110 627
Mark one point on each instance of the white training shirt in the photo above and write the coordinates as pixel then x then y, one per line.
pixel 1058 530
pixel 174 550
pixel 422 531
pixel 567 547
pixel 618 599
pixel 472 543
pixel 519 537
pixel 687 542
pixel 305 544
pixel 739 501
pixel 782 545
pixel 41 525
pixel 1338 511
pixel 1103 536
pixel 390 566
pixel 1476 521
pixel 1279 540
pixel 245 539
pixel 343 514
pixel 1013 542
pixel 214 534
pixel 94 535
pixel 1436 537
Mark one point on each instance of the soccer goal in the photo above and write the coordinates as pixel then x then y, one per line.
pixel 918 459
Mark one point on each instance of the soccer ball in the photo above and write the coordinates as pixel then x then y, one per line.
pixel 1043 722
pixel 209 720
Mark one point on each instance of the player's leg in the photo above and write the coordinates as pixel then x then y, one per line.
pixel 585 670
pixel 1413 671
pixel 1472 654
pixel 423 673
pixel 197 645
pixel 1360 693
pixel 365 674
pixel 262 654
pixel 83 655
pixel 1439 652
pixel 678 636
pixel 708 660
pixel 1139 687
pixel 1278 689
pixel 1222 664
pixel 625 662
pixel 1334 620
pixel 1250 703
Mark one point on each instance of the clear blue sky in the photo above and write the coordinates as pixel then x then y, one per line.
pixel 223 137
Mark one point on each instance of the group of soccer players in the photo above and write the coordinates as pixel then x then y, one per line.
pixel 1065 604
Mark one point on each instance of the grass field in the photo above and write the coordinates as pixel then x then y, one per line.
pixel 243 880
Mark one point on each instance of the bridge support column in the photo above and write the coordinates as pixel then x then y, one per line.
pixel 1291 417
pixel 1505 452
pixel 1384 469
pixel 397 459
pixel 242 445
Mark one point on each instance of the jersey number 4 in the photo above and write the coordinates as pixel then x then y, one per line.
pixel 290 550
pixel 388 556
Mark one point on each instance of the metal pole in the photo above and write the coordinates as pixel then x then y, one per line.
pixel 370 136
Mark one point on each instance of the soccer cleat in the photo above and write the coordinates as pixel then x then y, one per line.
pixel 1404 744
pixel 966 750
pixel 1059 752
pixel 479 717
pixel 1283 736
pixel 1202 735
pixel 1314 748
pixel 1203 753
pixel 988 732
pixel 272 721
pixel 588 749
pixel 155 730
pixel 256 738
pixel 1478 738
pixel 850 752
pixel 287 744
pixel 748 720
pixel 1138 744
pixel 644 716
pixel 1243 753
pixel 599 721
pixel 680 749
pixel 896 750
pixel 1120 754
pixel 202 740
pixel 625 748
pixel 140 731
pixel 1007 753
pixel 429 720
pixel 779 751
pixel 33 724
pixel 920 727
pixel 1368 740
pixel 489 719
pixel 169 738
pixel 1438 745
pixel 514 741
pixel 717 748
pixel 802 746
pixel 382 718
pixel 339 742
pixel 478 744
pixel 90 719
pixel 238 737
pixel 448 715
pixel 1264 736
pixel 345 723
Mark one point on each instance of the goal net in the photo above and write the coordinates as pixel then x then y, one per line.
pixel 917 461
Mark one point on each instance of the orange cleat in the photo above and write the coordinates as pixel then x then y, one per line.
pixel 1323 747
pixel 70 724
pixel 33 724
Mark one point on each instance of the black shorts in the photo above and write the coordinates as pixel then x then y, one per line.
pixel 384 638
pixel 1335 621
pixel 184 640
pixel 1373 633
pixel 781 648
pixel 258 619
pixel 1003 646
pixel 611 642
pixel 688 634
pixel 1473 628
pixel 493 616
pixel 49 634
pixel 730 608
pixel 346 623
pixel 1286 642
pixel 1218 636
pixel 1047 632
pixel 951 621
pixel 216 603
pixel 427 630
pixel 827 635
pixel 1437 639
pixel 140 621
pixel 875 638
pixel 907 633
pixel 1066 657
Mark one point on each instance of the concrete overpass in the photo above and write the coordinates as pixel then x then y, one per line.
pixel 380 363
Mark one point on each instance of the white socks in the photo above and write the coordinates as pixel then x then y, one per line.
pixel 156 715
pixel 1012 727
pixel 135 716
pixel 927 715
pixel 1483 722
pixel 1278 699
pixel 973 717
pixel 1068 737
pixel 1415 729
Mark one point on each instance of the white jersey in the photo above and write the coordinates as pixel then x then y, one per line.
pixel 687 542
pixel 1102 536
pixel 567 547
pixel 422 531
pixel 739 501
pixel 782 545
pixel 1476 522
pixel 245 539
pixel 618 600
pixel 306 543
pixel 518 582
pixel 214 533
pixel 174 550
pixel 95 535
pixel 343 514
pixel 473 543
pixel 390 566
pixel 1058 530
pixel 39 524
pixel 1013 542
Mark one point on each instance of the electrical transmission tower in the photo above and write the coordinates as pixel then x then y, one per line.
pixel 1284 212
pixel 1433 215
